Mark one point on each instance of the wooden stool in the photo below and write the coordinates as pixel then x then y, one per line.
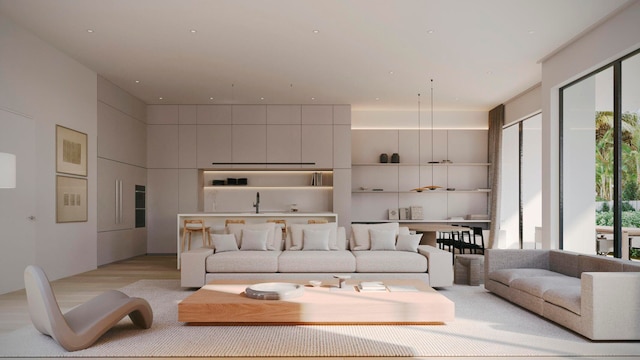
pixel 233 221
pixel 469 269
pixel 317 221
pixel 196 225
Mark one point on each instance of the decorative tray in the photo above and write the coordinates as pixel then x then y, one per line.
pixel 274 291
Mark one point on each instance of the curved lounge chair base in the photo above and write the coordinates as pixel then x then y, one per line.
pixel 81 326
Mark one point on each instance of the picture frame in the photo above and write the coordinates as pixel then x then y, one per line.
pixel 71 151
pixel 71 199
pixel 393 214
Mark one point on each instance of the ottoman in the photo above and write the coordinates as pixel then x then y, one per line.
pixel 469 269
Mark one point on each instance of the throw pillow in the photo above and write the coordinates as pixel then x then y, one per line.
pixel 224 242
pixel 316 239
pixel 360 239
pixel 408 242
pixel 382 239
pixel 295 235
pixel 254 239
pixel 273 242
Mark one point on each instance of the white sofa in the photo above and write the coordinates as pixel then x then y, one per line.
pixel 291 259
pixel 595 296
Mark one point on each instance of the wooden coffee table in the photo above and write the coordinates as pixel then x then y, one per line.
pixel 224 302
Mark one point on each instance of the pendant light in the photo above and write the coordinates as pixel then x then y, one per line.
pixel 428 187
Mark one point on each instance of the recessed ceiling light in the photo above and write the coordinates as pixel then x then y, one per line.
pixel 90 30
pixel 430 31
pixel 210 98
pixel 390 72
pixel 160 98
pixel 316 31
pixel 193 31
pixel 377 99
pixel 137 81
pixel 261 98
pixel 531 32
pixel 313 98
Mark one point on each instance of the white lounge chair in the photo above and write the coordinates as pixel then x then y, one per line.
pixel 81 326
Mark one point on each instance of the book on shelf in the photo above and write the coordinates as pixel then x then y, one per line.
pixel 372 286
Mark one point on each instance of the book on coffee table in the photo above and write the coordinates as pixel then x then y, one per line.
pixel 372 286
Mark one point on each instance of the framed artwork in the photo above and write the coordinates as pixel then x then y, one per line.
pixel 71 199
pixel 71 151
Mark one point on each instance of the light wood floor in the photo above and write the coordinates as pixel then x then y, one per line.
pixel 77 289
pixel 80 288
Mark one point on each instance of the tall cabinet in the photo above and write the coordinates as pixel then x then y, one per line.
pixel 453 160
pixel 283 142
pixel 121 167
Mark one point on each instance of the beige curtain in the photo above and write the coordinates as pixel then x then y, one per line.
pixel 496 121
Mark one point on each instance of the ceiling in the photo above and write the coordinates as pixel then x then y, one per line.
pixel 372 54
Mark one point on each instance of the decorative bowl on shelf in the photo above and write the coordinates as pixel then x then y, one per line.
pixel 430 187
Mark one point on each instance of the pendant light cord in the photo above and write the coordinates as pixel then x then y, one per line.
pixel 432 168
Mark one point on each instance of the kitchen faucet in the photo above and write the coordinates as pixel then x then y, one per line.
pixel 257 203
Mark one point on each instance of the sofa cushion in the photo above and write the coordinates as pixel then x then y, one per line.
pixel 408 242
pixel 567 297
pixel 389 262
pixel 315 239
pixel 273 241
pixel 295 235
pixel 597 263
pixel 564 262
pixel 254 240
pixel 360 238
pixel 316 261
pixel 538 285
pixel 243 262
pixel 224 242
pixel 506 276
pixel 630 266
pixel 382 239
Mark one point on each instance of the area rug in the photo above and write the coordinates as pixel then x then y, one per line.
pixel 485 326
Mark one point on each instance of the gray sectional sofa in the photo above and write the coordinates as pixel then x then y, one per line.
pixel 391 253
pixel 595 296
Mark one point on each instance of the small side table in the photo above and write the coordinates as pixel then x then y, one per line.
pixel 469 269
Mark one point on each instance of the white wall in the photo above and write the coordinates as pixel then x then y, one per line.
pixel 47 86
pixel 616 37
pixel 524 105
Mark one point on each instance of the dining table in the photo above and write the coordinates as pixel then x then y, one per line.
pixel 429 231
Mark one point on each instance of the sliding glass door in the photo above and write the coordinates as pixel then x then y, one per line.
pixel 600 156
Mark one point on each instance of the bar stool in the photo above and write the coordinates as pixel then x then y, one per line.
pixel 233 221
pixel 317 221
pixel 195 225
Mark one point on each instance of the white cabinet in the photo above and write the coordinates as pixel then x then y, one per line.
pixel 454 160
pixel 317 146
pixel 213 145
pixel 249 114
pixel 249 145
pixel 163 146
pixel 283 145
pixel 284 114
pixel 116 194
